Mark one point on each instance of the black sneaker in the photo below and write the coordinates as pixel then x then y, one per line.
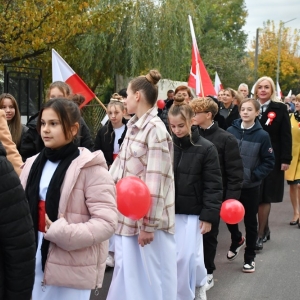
pixel 249 267
pixel 235 249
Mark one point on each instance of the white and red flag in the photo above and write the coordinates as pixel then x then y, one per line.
pixel 199 78
pixel 61 71
pixel 218 84
pixel 278 91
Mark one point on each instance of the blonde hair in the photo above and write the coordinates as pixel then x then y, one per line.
pixel 270 80
pixel 116 100
pixel 15 126
pixel 201 104
pixel 180 107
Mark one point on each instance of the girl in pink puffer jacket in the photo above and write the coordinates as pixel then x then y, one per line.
pixel 72 202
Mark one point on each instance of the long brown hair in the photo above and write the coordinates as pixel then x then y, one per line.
pixel 15 126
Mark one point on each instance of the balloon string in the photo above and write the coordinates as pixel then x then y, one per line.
pixel 144 261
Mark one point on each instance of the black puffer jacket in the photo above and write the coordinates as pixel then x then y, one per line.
pixel 198 179
pixel 105 141
pixel 230 160
pixel 32 143
pixel 17 241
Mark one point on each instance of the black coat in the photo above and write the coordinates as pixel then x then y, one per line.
pixel 105 141
pixel 17 240
pixel 32 142
pixel 234 115
pixel 272 187
pixel 163 113
pixel 198 179
pixel 230 160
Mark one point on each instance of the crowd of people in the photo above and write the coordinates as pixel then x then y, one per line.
pixel 193 154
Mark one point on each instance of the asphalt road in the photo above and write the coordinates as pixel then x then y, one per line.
pixel 277 274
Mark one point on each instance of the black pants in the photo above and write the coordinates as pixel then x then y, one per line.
pixel 250 200
pixel 210 243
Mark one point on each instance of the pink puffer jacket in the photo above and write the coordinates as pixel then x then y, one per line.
pixel 79 239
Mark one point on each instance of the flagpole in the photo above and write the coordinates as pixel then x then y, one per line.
pixel 201 86
pixel 100 102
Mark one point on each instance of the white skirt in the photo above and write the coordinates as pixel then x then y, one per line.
pixel 191 271
pixel 111 247
pixel 51 292
pixel 144 273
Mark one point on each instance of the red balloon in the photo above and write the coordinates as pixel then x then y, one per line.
pixel 161 104
pixel 232 211
pixel 133 197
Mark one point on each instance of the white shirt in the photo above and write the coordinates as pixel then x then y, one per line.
pixel 118 134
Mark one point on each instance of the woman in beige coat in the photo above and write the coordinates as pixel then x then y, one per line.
pixel 72 201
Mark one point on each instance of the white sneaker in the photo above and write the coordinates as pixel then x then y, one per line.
pixel 110 261
pixel 200 293
pixel 210 282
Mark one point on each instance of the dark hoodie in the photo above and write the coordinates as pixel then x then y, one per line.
pixel 256 152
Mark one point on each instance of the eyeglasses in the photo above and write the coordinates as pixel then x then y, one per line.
pixel 200 112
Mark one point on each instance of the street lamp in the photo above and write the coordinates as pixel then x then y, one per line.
pixel 279 46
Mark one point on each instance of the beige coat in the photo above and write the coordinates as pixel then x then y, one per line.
pixel 79 240
pixel 12 153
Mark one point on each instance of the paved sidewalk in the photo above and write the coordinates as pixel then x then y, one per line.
pixel 277 274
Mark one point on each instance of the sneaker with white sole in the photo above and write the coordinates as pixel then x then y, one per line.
pixel 210 282
pixel 110 261
pixel 200 293
pixel 249 267
pixel 235 249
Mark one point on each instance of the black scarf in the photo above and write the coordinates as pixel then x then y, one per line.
pixel 66 155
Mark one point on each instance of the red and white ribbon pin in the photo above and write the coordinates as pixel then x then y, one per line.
pixel 271 117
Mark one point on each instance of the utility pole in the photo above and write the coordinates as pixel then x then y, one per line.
pixel 279 47
pixel 256 55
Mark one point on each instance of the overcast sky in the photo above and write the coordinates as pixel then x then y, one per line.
pixel 259 11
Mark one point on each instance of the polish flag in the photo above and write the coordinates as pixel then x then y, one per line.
pixel 278 91
pixel 61 71
pixel 218 84
pixel 199 78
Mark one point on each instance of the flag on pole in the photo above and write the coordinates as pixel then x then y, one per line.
pixel 278 91
pixel 199 78
pixel 61 71
pixel 218 84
